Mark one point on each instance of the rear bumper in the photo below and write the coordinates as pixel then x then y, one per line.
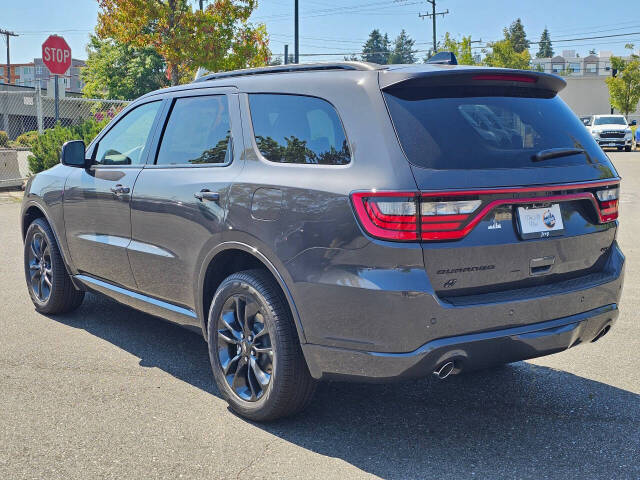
pixel 468 352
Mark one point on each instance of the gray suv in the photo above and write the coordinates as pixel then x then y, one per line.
pixel 339 221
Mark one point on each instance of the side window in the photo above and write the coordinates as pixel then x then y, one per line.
pixel 198 131
pixel 298 129
pixel 125 143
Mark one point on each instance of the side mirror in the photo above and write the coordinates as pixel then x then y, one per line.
pixel 633 123
pixel 73 154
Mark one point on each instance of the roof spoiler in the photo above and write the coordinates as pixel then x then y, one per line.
pixel 439 74
pixel 443 58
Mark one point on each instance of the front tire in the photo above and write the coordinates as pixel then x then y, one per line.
pixel 254 349
pixel 627 149
pixel 48 282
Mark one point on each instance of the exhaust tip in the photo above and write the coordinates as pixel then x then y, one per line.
pixel 601 333
pixel 444 370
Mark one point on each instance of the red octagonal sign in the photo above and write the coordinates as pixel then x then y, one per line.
pixel 56 55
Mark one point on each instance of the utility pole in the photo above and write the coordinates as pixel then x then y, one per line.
pixel 8 34
pixel 296 46
pixel 286 54
pixel 433 15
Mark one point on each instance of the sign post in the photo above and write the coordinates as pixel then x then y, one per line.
pixel 56 55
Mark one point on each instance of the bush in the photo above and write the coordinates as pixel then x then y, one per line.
pixel 4 139
pixel 26 139
pixel 45 148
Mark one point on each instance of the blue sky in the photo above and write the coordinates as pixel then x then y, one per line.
pixel 341 26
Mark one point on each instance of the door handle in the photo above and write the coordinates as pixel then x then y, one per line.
pixel 120 189
pixel 206 194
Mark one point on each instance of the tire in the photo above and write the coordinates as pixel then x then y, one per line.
pixel 627 149
pixel 48 282
pixel 281 385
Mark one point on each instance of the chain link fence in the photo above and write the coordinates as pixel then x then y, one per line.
pixel 29 109
pixel 25 110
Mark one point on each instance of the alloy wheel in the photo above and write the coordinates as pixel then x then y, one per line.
pixel 40 269
pixel 245 351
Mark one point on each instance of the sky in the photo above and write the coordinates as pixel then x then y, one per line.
pixel 339 27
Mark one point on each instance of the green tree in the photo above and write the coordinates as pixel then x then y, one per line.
pixel 461 49
pixel 503 54
pixel 516 35
pixel 403 49
pixel 118 71
pixel 218 38
pixel 624 88
pixel 545 49
pixel 45 148
pixel 376 48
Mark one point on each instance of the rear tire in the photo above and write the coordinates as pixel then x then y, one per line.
pixel 254 349
pixel 48 282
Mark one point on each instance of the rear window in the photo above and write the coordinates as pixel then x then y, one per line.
pixel 298 129
pixel 486 127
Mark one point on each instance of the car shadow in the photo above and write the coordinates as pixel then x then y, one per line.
pixel 517 421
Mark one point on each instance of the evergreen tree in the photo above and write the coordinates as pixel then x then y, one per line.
pixel 376 48
pixel 546 49
pixel 403 49
pixel 517 36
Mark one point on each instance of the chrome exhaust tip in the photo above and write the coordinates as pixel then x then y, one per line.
pixel 445 370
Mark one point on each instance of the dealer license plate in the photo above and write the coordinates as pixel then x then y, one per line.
pixel 540 222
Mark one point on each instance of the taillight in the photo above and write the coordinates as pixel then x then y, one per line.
pixel 441 219
pixel 451 215
pixel 388 215
pixel 608 203
pixel 395 216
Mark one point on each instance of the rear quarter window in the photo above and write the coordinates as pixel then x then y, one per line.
pixel 298 129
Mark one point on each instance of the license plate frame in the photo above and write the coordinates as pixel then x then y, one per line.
pixel 540 221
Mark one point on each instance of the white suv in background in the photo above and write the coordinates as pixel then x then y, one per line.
pixel 611 131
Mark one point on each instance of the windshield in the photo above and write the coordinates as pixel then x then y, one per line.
pixel 486 127
pixel 610 121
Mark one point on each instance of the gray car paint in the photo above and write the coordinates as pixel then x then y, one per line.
pixel 346 291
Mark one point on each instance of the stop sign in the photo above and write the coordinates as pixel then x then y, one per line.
pixel 56 55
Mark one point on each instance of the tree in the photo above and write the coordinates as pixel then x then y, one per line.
pixel 624 88
pixel 376 48
pixel 461 49
pixel 503 54
pixel 517 36
pixel 218 38
pixel 118 71
pixel 546 49
pixel 592 51
pixel 403 49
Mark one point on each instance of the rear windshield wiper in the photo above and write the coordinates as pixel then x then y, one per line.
pixel 550 153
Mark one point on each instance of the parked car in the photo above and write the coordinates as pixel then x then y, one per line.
pixel 339 221
pixel 612 131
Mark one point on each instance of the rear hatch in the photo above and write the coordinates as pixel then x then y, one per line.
pixel 513 190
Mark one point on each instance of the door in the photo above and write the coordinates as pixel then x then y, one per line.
pixel 97 200
pixel 179 201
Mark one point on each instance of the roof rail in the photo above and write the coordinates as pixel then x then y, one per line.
pixel 290 68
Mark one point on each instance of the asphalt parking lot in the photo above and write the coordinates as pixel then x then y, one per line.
pixel 108 392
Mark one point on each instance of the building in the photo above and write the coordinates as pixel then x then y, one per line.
pixel 34 73
pixel 21 74
pixel 573 65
